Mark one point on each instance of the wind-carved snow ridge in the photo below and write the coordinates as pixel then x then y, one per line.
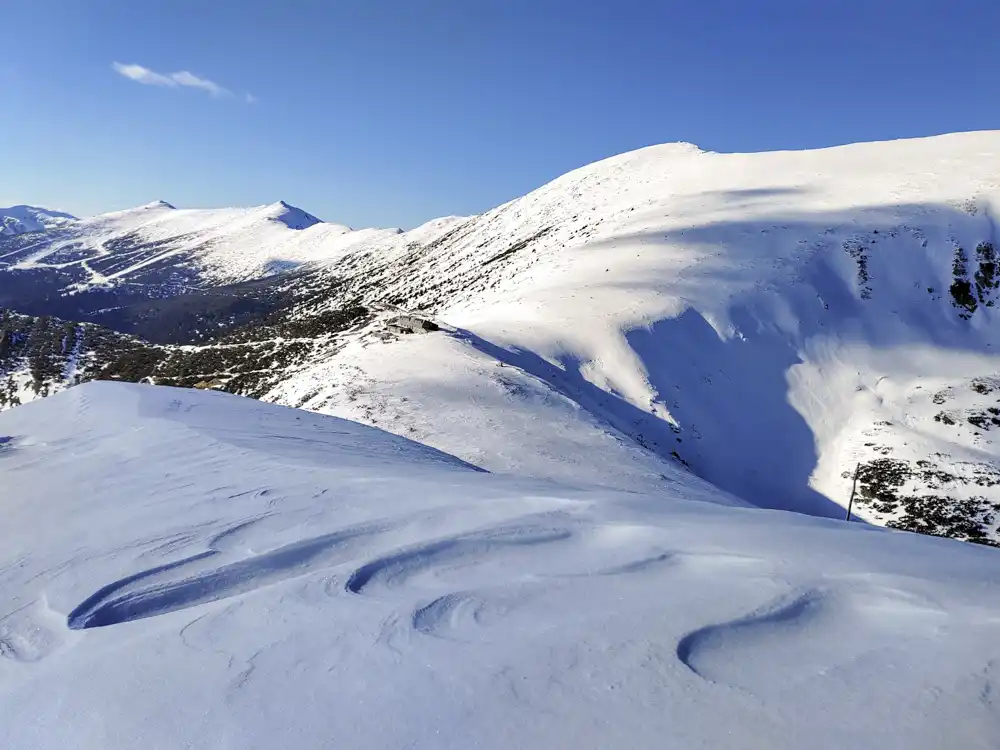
pixel 397 568
pixel 264 575
pixel 783 634
pixel 186 583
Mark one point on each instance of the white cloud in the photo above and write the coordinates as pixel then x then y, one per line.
pixel 184 78
pixel 140 74
pixel 148 77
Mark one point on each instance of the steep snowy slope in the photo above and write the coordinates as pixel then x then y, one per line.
pixel 761 315
pixel 187 569
pixel 24 219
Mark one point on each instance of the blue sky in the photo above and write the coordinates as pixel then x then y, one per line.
pixel 392 112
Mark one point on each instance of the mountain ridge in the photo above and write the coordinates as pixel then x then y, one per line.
pixel 24 219
pixel 777 321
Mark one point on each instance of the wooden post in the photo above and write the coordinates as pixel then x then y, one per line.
pixel 854 487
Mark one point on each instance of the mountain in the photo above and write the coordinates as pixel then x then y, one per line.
pixel 43 355
pixel 780 323
pixel 216 246
pixel 25 219
pixel 191 569
pixel 123 268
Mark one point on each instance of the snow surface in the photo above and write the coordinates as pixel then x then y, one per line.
pixel 193 569
pixel 23 219
pixel 226 245
pixel 699 303
pixel 665 303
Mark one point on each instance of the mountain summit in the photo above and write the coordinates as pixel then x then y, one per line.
pixel 155 251
pixel 24 219
pixel 290 216
pixel 158 204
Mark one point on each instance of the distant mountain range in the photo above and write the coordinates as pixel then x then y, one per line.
pixel 778 323
pixel 25 219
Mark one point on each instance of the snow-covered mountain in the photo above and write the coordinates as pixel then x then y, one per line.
pixel 779 322
pixel 164 273
pixel 214 245
pixel 25 219
pixel 107 269
pixel 190 569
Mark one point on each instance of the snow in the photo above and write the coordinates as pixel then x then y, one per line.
pixel 667 303
pixel 23 390
pixel 192 569
pixel 22 219
pixel 699 303
pixel 227 245
pixel 502 418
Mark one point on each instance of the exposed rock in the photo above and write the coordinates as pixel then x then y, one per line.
pixel 411 324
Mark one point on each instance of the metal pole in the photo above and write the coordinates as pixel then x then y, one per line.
pixel 854 487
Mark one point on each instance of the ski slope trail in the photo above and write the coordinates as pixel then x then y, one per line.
pixel 195 569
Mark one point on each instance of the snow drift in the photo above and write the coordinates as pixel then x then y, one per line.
pixel 190 569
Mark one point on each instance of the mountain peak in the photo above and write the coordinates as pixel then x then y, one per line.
pixel 22 218
pixel 291 216
pixel 159 204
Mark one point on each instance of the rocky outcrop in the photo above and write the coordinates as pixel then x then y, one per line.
pixel 406 324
